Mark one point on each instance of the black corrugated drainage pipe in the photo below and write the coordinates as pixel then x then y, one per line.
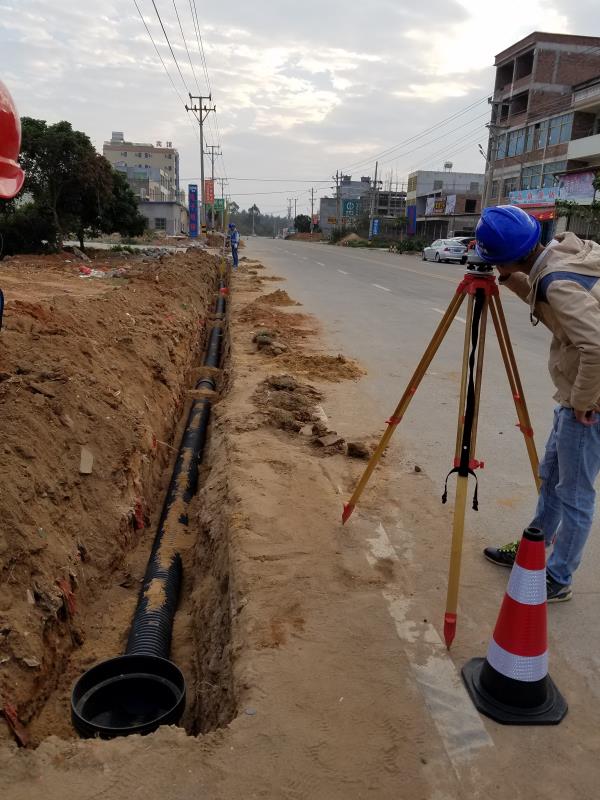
pixel 142 690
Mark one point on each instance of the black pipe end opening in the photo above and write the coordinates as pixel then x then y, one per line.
pixel 126 695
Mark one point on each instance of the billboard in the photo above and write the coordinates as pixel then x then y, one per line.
pixel 577 187
pixel 440 205
pixel 193 207
pixel 219 204
pixel 209 192
pixel 350 208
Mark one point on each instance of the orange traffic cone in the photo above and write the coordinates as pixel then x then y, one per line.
pixel 512 685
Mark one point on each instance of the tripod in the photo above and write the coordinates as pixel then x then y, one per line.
pixel 480 288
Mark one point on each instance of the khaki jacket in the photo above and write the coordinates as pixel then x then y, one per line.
pixel 563 292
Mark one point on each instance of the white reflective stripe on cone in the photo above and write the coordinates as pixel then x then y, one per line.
pixel 521 668
pixel 527 586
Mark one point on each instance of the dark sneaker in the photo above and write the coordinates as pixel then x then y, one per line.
pixel 557 592
pixel 503 556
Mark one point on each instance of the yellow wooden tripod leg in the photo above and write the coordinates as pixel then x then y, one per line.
pixel 462 483
pixel 400 410
pixel 458 530
pixel 516 387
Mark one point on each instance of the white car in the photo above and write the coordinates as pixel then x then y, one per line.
pixel 444 250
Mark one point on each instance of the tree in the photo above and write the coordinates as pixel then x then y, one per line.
pixel 121 214
pixel 302 223
pixel 54 157
pixel 73 186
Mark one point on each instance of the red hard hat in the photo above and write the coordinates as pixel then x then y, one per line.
pixel 11 174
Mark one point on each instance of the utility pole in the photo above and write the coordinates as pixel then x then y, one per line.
pixel 337 178
pixel 373 192
pixel 213 148
pixel 295 214
pixel 289 211
pixel 201 111
pixel 312 209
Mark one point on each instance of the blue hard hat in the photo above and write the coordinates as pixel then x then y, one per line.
pixel 506 233
pixel 231 225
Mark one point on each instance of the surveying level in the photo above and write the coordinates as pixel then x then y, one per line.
pixel 480 287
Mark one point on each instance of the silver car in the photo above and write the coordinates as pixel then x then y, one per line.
pixel 444 250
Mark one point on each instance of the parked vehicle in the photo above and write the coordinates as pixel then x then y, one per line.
pixel 445 250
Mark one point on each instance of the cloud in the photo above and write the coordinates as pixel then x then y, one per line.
pixel 300 90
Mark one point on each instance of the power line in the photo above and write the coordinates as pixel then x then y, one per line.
pixel 163 63
pixel 417 136
pixel 170 48
pixel 276 180
pixel 196 23
pixel 186 47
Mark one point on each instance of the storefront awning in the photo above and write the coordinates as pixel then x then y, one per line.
pixel 543 214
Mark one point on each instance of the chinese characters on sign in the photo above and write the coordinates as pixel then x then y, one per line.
pixel 209 192
pixel 440 205
pixel 534 197
pixel 193 206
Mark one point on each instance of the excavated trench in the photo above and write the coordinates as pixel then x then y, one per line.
pixel 201 636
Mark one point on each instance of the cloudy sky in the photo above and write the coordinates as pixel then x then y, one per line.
pixel 302 89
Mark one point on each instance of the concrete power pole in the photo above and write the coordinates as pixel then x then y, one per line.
pixel 312 209
pixel 289 211
pixel 373 193
pixel 201 112
pixel 295 213
pixel 337 177
pixel 213 153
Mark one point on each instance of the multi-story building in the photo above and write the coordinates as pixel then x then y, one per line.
pixel 329 207
pixel 538 119
pixel 445 203
pixel 152 172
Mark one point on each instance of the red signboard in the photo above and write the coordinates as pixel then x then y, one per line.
pixel 209 192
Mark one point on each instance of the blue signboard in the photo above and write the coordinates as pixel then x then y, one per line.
pixel 375 228
pixel 193 206
pixel 350 208
pixel 411 214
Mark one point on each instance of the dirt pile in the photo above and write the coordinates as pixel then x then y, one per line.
pixel 278 298
pixel 101 364
pixel 351 237
pixel 287 403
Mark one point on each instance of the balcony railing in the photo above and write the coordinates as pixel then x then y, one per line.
pixel 588 93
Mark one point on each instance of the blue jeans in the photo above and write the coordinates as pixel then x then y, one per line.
pixel 565 509
pixel 234 253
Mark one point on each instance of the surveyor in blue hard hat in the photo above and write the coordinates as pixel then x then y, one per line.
pixel 561 284
pixel 234 240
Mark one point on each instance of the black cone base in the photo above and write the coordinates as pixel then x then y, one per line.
pixel 550 712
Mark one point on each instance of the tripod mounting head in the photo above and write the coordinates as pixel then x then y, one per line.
pixel 480 268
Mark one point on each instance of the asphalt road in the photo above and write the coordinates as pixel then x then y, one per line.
pixel 381 309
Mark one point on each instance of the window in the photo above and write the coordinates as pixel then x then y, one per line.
pixel 511 149
pixel 160 223
pixel 474 186
pixel 541 135
pixel 138 155
pixel 438 185
pixel 169 155
pixel 146 155
pixel 530 139
pixel 494 189
pixel 510 185
pixel 501 150
pixel 551 172
pixel 531 177
pixel 470 206
pixel 124 153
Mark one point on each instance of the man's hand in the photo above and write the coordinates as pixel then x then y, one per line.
pixel 586 417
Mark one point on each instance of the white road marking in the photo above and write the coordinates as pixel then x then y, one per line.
pixel 439 311
pixel 458 723
pixel 320 263
pixel 342 271
pixel 384 288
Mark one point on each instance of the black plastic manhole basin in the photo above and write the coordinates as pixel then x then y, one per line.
pixel 126 695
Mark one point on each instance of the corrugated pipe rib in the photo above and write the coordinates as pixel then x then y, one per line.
pixel 99 695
